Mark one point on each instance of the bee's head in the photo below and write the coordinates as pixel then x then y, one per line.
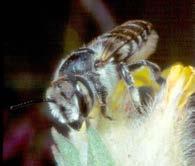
pixel 66 107
pixel 63 102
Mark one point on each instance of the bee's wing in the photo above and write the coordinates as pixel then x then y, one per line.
pixel 123 41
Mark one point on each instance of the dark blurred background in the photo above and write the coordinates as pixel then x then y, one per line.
pixel 37 35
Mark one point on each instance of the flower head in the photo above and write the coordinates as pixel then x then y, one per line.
pixel 160 136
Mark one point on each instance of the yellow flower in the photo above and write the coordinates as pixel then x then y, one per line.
pixel 160 136
pixel 183 78
pixel 179 80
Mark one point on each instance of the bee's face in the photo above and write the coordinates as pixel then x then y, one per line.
pixel 65 108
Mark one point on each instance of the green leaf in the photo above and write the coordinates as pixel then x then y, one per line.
pixel 66 150
pixel 98 155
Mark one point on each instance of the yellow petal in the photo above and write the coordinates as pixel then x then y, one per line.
pixel 189 87
pixel 181 84
pixel 166 71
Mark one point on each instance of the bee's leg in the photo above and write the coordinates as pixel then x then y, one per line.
pixel 155 69
pixel 101 94
pixel 134 92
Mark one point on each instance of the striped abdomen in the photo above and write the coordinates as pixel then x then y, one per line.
pixel 131 41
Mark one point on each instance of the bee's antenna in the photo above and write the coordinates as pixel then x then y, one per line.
pixel 29 102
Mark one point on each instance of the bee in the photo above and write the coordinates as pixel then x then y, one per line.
pixel 89 74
